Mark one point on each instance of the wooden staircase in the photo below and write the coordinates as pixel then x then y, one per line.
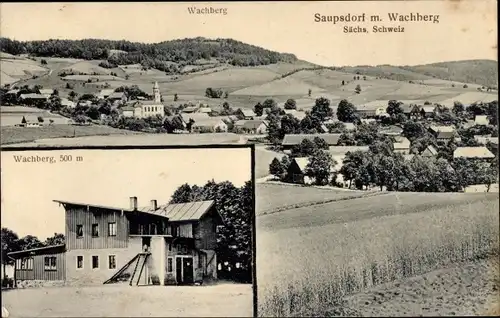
pixel 140 261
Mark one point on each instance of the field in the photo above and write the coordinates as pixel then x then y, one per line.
pixel 14 68
pixel 13 115
pixel 107 136
pixel 273 198
pixel 310 258
pixel 225 300
pixel 16 135
pixel 469 289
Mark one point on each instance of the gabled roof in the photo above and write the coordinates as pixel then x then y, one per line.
pixel 33 96
pixel 250 124
pixel 485 139
pixel 117 95
pixel 342 150
pixel 205 110
pixel 481 120
pixel 106 92
pixel 295 139
pixel 209 122
pixel 349 126
pixel 248 113
pixel 402 143
pixel 190 109
pixel 473 152
pixel 46 91
pixel 428 108
pixel 295 113
pixel 443 132
pixel 429 151
pixel 194 116
pixel 302 163
pixel 191 211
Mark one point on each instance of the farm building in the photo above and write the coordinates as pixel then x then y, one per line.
pixel 210 124
pixel 409 109
pixel 427 111
pixel 251 126
pixel 295 113
pixel 207 110
pixel 291 140
pixel 371 110
pixel 391 131
pixel 443 133
pixel 296 171
pixel 485 139
pixel 186 117
pixel 67 103
pixel 401 145
pixel 47 92
pixel 105 93
pixel 481 120
pixel 473 153
pixel 33 98
pixel 246 114
pixel 117 97
pixel 430 151
pixel 161 245
pixel 190 109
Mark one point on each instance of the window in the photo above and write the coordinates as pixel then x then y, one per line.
pixel 95 230
pixel 112 262
pixel 79 261
pixel 50 263
pixel 170 265
pixel 95 262
pixel 112 229
pixel 25 263
pixel 79 230
pixel 174 230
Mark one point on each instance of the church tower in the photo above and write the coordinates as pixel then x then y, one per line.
pixel 156 93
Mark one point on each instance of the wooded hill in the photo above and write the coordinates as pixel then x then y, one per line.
pixel 157 55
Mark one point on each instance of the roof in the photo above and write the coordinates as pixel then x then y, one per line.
pixel 205 110
pixel 35 250
pixel 295 139
pixel 391 130
pixel 407 108
pixel 295 113
pixel 190 109
pixel 302 162
pixel 195 116
pixel 191 211
pixel 208 122
pixel 443 132
pixel 342 150
pixel 106 92
pixel 368 120
pixel 46 91
pixel 401 143
pixel 428 108
pixel 128 108
pixel 485 139
pixel 408 157
pixel 13 91
pixel 349 126
pixel 472 152
pixel 33 96
pixel 481 120
pixel 430 150
pixel 248 112
pixel 250 124
pixel 117 95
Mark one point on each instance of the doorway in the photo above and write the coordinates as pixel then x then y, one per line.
pixel 184 269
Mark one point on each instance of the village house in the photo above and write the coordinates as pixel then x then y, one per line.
pixel 67 103
pixel 410 110
pixel 205 109
pixel 291 140
pixel 168 244
pixel 481 153
pixel 484 139
pixel 391 130
pixel 190 109
pixel 430 151
pixel 371 110
pixel 33 98
pixel 443 133
pixel 118 98
pixel 47 92
pixel 246 114
pixel 105 93
pixel 401 145
pixel 297 169
pixel 368 121
pixel 481 120
pixel 210 124
pixel 186 117
pixel 251 126
pixel 349 126
pixel 145 109
pixel 427 111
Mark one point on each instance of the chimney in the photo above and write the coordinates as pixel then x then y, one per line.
pixel 154 205
pixel 133 203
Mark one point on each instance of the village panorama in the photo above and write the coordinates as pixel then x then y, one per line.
pixel 376 186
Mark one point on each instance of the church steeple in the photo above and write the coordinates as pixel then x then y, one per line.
pixel 156 93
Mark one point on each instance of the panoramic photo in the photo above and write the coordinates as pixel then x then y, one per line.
pixel 145 224
pixel 376 153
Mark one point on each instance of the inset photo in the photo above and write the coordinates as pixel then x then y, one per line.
pixel 128 232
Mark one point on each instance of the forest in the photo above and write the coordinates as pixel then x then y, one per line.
pixel 157 55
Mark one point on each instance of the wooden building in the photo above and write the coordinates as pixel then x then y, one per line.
pixel 164 245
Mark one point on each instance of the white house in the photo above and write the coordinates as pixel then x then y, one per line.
pixel 212 124
pixel 481 120
pixel 145 109
pixel 252 126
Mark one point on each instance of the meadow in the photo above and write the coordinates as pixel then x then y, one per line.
pixel 310 258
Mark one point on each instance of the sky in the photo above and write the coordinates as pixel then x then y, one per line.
pixel 467 29
pixel 106 177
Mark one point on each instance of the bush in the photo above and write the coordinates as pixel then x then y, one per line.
pixel 7 282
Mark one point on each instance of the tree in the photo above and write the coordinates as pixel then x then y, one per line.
pixel 56 239
pixel 29 241
pixel 176 97
pixel 182 194
pixel 72 95
pixel 276 169
pixel 289 125
pixel 394 108
pixel 322 109
pixel 290 104
pixel 319 167
pixel 226 106
pixel 258 109
pixel 458 109
pixel 226 94
pixel 309 92
pixel 357 90
pixel 40 119
pixel 274 130
pixel 269 103
pixel 346 112
pixel 384 168
pixel 23 121
pixel 350 164
pixel 10 243
pixel 414 130
pixel 43 62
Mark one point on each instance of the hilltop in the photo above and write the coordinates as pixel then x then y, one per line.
pixel 481 72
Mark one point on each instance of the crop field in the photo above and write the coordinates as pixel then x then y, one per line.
pixel 107 136
pixel 223 300
pixel 285 86
pixel 274 197
pixel 13 135
pixel 309 259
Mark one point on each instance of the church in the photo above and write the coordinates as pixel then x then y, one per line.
pixel 144 109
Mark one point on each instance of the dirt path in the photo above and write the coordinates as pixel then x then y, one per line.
pixel 471 289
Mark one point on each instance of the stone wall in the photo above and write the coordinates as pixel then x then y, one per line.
pixel 39 283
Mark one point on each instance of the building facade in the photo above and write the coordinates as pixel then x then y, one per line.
pixel 161 245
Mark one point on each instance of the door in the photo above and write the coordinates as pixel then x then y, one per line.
pixel 187 270
pixel 178 270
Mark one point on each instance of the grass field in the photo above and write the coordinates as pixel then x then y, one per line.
pixel 224 300
pixel 273 198
pixel 107 136
pixel 14 135
pixel 310 258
